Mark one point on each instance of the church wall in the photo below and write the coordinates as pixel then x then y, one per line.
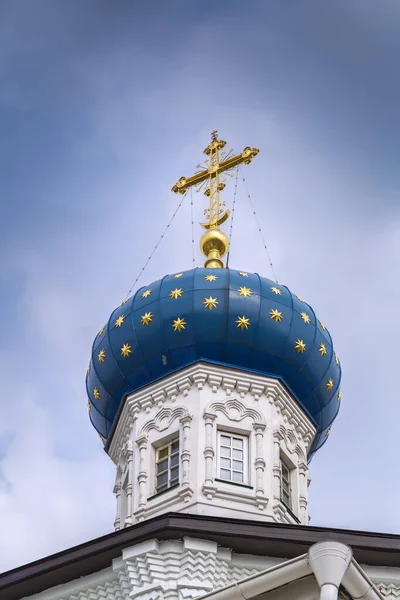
pixel 196 405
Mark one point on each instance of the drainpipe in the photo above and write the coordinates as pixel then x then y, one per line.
pixel 329 562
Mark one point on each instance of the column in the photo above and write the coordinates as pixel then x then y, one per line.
pixel 277 466
pixel 303 470
pixel 129 511
pixel 142 476
pixel 209 451
pixel 185 454
pixel 259 460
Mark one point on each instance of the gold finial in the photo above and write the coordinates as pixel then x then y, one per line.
pixel 214 243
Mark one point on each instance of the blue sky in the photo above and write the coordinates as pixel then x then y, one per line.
pixel 103 106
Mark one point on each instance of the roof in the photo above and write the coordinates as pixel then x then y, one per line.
pixel 222 316
pixel 242 536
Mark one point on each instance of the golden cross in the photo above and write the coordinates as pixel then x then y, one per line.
pixel 214 168
pixel 211 175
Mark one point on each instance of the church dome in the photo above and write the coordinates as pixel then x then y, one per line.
pixel 222 316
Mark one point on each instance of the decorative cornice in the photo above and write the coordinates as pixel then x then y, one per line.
pixel 199 376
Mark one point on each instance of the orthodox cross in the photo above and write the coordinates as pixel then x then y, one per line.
pixel 211 175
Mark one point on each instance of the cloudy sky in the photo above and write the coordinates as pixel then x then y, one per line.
pixel 103 106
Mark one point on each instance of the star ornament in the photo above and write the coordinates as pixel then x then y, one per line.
pixel 322 349
pixel 89 406
pixel 119 321
pixel 328 431
pixel 211 278
pixel 179 324
pixel 336 359
pixel 176 293
pixel 298 298
pixel 276 290
pixel 245 291
pixel 126 350
pixel 125 301
pixel 101 331
pixel 339 396
pixel 210 303
pixel 305 317
pixel 243 274
pixel 322 325
pixel 96 393
pixel 178 275
pixel 146 294
pixel 300 346
pixel 276 315
pixel 146 318
pixel 243 323
pixel 329 385
pixel 89 367
pixel 102 356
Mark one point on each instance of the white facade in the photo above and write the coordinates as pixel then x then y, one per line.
pixel 196 407
pixel 196 568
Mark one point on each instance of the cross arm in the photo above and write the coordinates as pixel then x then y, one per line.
pixel 185 183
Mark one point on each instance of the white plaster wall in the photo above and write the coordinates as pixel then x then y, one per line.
pixel 196 403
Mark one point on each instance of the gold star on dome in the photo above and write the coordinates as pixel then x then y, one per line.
pixel 89 367
pixel 276 315
pixel 96 393
pixel 119 321
pixel 276 290
pixel 328 431
pixel 126 350
pixel 178 275
pixel 322 349
pixel 305 317
pixel 89 407
pixel 268 279
pixel 179 324
pixel 329 385
pixel 146 294
pixel 146 318
pixel 102 355
pixel 300 346
pixel 336 359
pixel 101 439
pixel 210 303
pixel 339 396
pixel 245 291
pixel 101 331
pixel 176 293
pixel 298 298
pixel 243 322
pixel 243 274
pixel 211 278
pixel 125 301
pixel 322 325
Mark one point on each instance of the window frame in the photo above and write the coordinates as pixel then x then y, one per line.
pixel 245 449
pixel 286 482
pixel 171 482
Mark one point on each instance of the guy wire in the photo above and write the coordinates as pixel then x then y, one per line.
pixel 233 214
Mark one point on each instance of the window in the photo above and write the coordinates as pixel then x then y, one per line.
pixel 286 488
pixel 167 466
pixel 233 459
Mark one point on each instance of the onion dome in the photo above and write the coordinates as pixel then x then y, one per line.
pixel 222 316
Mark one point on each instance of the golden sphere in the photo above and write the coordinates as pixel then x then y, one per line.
pixel 214 240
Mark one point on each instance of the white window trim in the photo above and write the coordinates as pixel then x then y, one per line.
pixel 245 438
pixel 283 461
pixel 157 448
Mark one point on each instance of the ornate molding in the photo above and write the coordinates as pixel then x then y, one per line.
pixel 234 410
pixel 199 376
pixel 164 418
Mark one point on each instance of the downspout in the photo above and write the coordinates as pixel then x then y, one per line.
pixel 329 562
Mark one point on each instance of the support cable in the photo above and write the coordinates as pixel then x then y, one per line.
pixel 233 214
pixel 156 246
pixel 192 219
pixel 259 229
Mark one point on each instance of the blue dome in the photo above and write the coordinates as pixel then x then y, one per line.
pixel 222 316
